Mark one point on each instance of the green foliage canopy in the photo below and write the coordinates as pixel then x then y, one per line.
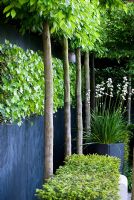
pixel 118 33
pixel 87 31
pixel 71 18
pixel 62 15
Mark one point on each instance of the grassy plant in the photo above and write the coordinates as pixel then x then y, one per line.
pixel 108 127
pixel 107 122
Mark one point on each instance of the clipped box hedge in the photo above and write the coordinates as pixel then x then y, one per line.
pixel 92 177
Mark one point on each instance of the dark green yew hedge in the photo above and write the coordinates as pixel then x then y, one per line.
pixel 91 177
pixel 22 83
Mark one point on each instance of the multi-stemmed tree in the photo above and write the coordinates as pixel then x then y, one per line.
pixel 45 17
pixel 83 40
pixel 86 35
pixel 60 17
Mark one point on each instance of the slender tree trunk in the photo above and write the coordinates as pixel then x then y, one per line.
pixel 129 100
pixel 48 71
pixel 79 103
pixel 87 95
pixel 133 178
pixel 67 110
pixel 92 84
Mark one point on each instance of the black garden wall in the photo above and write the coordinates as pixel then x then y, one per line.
pixel 22 156
pixel 21 160
pixel 28 41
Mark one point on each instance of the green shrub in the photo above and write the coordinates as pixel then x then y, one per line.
pixel 129 163
pixel 128 173
pixel 22 83
pixel 82 177
pixel 131 142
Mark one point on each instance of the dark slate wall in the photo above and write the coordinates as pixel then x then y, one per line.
pixel 21 160
pixel 28 41
pixel 11 33
pixel 22 156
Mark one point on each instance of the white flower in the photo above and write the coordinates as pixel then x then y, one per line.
pixel 123 98
pixel 125 78
pixel 109 83
pixel 99 90
pixel 118 88
pixel 132 91
pixel 118 85
pixel 109 80
pixel 102 89
pixel 124 91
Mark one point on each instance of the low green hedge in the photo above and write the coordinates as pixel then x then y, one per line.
pixel 82 177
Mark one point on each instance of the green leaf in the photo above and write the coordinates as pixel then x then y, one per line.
pixel 7 8
pixel 23 1
pixel 8 14
pixel 32 2
pixel 13 13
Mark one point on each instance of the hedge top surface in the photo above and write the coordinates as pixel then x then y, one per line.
pixel 90 177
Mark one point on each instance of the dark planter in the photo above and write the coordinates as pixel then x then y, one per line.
pixel 116 150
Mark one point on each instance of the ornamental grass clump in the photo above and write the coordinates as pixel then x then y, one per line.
pixel 82 177
pixel 108 127
pixel 107 120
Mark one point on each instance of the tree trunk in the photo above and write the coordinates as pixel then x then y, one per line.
pixel 79 103
pixel 67 110
pixel 48 71
pixel 129 100
pixel 87 95
pixel 133 178
pixel 92 84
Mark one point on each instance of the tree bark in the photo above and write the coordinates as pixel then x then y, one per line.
pixel 129 100
pixel 92 84
pixel 87 95
pixel 48 75
pixel 133 178
pixel 67 110
pixel 79 103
